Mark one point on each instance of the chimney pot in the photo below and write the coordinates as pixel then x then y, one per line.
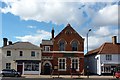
pixel 114 39
pixel 5 42
pixel 10 42
pixel 52 33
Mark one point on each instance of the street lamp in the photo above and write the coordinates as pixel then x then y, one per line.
pixel 88 57
pixel 87 39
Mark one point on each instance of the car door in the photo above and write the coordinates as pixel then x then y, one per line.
pixel 13 72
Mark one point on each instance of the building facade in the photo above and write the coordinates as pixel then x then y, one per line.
pixel 63 53
pixel 105 59
pixel 21 56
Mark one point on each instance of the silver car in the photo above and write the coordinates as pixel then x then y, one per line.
pixel 10 73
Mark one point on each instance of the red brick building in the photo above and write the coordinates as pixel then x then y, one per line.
pixel 63 53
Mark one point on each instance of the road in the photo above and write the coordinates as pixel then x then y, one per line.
pixel 21 78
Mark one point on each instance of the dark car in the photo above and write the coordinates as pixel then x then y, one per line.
pixel 117 74
pixel 10 73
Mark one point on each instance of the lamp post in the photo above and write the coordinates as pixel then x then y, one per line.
pixel 87 39
pixel 88 57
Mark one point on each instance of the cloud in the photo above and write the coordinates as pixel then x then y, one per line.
pixel 61 12
pixel 101 35
pixel 106 16
pixel 77 13
pixel 35 38
pixel 103 31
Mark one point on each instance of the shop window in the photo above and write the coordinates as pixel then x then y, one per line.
pixel 107 69
pixel 31 67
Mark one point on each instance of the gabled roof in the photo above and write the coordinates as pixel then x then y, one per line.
pixel 106 48
pixel 68 27
pixel 22 45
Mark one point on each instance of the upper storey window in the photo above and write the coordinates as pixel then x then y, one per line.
pixel 8 53
pixel 32 53
pixel 47 48
pixel 108 57
pixel 62 45
pixel 74 46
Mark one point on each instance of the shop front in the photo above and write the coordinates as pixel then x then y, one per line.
pixel 29 66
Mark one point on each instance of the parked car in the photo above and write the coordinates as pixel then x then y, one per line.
pixel 117 74
pixel 10 73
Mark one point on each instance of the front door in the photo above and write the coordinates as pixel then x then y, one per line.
pixel 47 69
pixel 20 67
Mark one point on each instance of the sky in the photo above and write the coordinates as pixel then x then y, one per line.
pixel 33 20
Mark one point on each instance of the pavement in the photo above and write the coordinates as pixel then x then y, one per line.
pixel 66 76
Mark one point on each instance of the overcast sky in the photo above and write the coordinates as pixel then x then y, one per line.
pixel 33 20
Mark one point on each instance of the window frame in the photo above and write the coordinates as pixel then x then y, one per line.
pixel 74 48
pixel 20 53
pixel 47 47
pixel 32 54
pixel 62 45
pixel 31 66
pixel 75 63
pixel 10 54
pixel 108 57
pixel 61 63
pixel 8 65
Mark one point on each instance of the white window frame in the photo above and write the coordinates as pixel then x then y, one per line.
pixel 46 48
pixel 31 66
pixel 58 65
pixel 108 57
pixel 78 63
pixel 107 69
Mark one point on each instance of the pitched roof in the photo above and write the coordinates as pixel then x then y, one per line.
pixel 68 27
pixel 22 45
pixel 106 48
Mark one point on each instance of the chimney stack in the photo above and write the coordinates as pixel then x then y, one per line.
pixel 52 33
pixel 114 39
pixel 10 42
pixel 5 42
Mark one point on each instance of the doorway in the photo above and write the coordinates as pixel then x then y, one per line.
pixel 47 69
pixel 20 67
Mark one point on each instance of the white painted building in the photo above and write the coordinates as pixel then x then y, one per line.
pixel 104 59
pixel 21 56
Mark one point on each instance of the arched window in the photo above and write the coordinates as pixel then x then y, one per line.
pixel 74 46
pixel 62 45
